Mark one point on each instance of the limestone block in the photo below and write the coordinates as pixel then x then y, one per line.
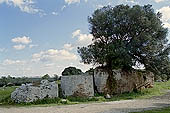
pixel 77 85
pixel 29 93
pixel 125 81
pixel 100 79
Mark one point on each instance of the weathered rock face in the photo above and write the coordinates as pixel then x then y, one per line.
pixel 29 93
pixel 77 85
pixel 100 79
pixel 125 81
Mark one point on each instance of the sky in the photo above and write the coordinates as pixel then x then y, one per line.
pixel 40 37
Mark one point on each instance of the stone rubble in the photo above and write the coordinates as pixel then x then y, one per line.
pixel 29 93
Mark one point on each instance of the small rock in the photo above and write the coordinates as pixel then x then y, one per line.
pixel 108 96
pixel 64 101
pixel 4 87
pixel 158 80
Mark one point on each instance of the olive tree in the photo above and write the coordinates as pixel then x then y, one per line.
pixel 124 36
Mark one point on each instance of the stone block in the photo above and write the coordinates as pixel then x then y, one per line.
pixel 125 81
pixel 29 93
pixel 77 85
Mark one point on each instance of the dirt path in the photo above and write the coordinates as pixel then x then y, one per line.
pixel 108 107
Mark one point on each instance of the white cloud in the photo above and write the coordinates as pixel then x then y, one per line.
pixel 82 39
pixel 53 55
pixel 127 2
pixel 131 1
pixel 23 40
pixel 11 62
pixel 68 47
pixel 72 1
pixel 165 15
pixel 63 7
pixel 52 61
pixel 99 6
pixel 19 47
pixel 32 69
pixel 32 45
pixel 157 1
pixel 167 25
pixel 49 65
pixel 76 33
pixel 24 5
pixel 85 39
pixel 4 1
pixel 54 13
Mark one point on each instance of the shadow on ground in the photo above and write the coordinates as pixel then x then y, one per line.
pixel 137 109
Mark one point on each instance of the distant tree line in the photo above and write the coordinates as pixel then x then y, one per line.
pixel 18 81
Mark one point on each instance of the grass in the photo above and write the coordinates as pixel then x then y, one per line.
pixel 159 89
pixel 163 110
pixel 5 95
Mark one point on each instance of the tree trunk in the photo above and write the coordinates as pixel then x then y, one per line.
pixel 111 83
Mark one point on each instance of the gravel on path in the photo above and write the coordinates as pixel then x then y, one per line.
pixel 123 106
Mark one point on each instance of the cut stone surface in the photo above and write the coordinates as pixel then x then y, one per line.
pixel 125 81
pixel 29 93
pixel 77 85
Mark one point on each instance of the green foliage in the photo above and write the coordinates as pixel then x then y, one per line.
pixel 71 71
pixel 56 77
pixel 18 81
pixel 46 76
pixel 47 101
pixel 124 36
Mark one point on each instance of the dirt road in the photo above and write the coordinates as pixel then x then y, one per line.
pixel 108 107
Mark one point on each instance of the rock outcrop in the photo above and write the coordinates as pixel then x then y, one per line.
pixel 125 81
pixel 30 93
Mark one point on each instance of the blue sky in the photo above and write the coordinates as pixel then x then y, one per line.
pixel 41 36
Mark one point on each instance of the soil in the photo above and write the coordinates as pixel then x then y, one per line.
pixel 124 106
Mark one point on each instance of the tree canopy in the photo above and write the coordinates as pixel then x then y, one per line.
pixel 71 71
pixel 46 76
pixel 124 36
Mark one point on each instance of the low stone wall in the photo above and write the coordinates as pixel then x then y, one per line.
pixel 83 85
pixel 77 85
pixel 125 81
pixel 29 93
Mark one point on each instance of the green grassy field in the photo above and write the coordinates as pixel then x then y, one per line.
pixel 5 94
pixel 159 89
